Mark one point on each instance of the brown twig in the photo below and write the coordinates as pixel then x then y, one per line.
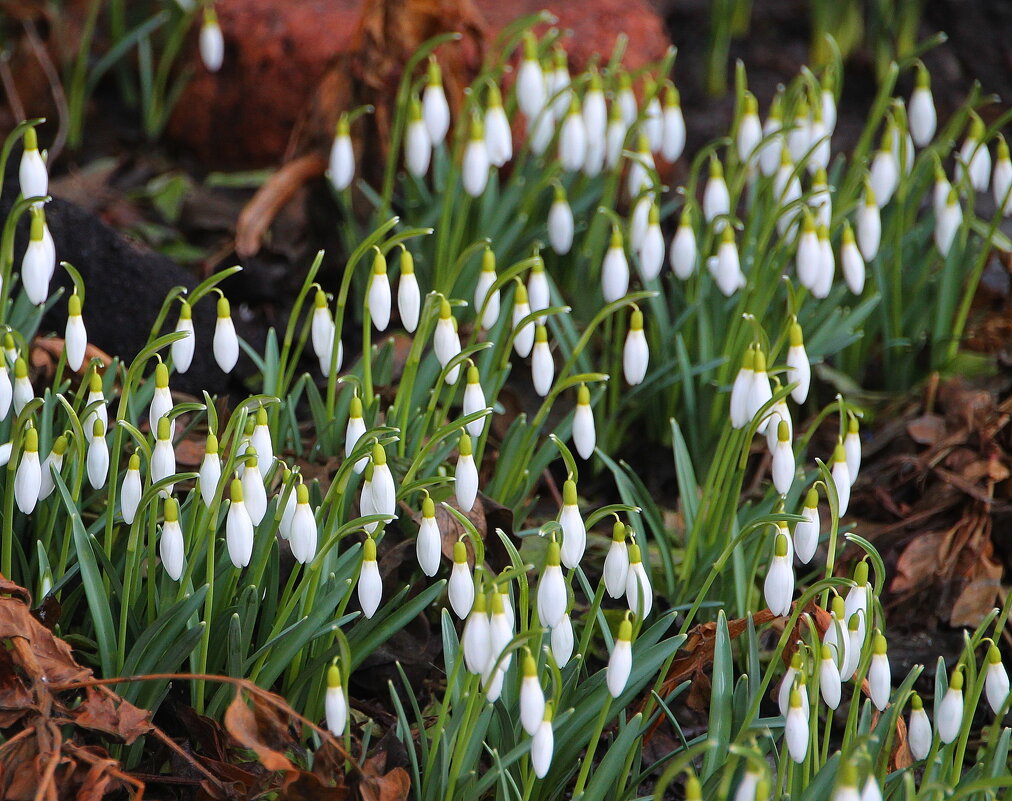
pixel 10 88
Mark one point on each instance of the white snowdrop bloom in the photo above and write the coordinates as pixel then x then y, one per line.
pixel 799 140
pixel 855 641
pixel 778 413
pixel 161 400
pixel 653 117
pixel 807 260
pixel 949 715
pixel 626 100
pixel 558 82
pixel 903 145
pixel 828 99
pixel 474 401
pixel 841 477
pixel 212 42
pixel 852 446
pixel 639 218
pixel 475 639
pixel 637 584
pixel 341 170
pixel 830 686
pixel 846 785
pixel 210 471
pixel 614 269
pixel 750 130
pixel 39 261
pixel 641 168
pixel 366 507
pixel 476 164
pixel 370 583
pixel 787 190
pixel 584 429
pixel 651 250
pixel 851 261
pixel 523 336
pixel 378 298
pixel 740 389
pixel 539 294
pixel 286 503
pixel 620 662
pixel 130 489
pixel 465 475
pixel 460 587
pixel 573 138
pixel 760 391
pixel 486 298
pixel 428 543
pixel 560 223
pixel 806 532
pixel 322 332
pixel 974 157
pixel 98 457
pixel 616 563
pixel 672 124
pixel 354 432
pixel 770 156
pixel 163 458
pixel 884 175
pixel 435 109
pixel 948 223
pixel 796 728
pixel 595 110
pixel 500 629
pixel 836 636
pixel 574 532
pixel 532 92
pixel 541 133
pixel 28 478
pixel 253 491
pixel 335 705
pixel 879 673
pixel 532 697
pixel 869 224
pixel 871 791
pixel 446 342
pixel 33 177
pixel 918 729
pixel 417 145
pixel 303 531
pixel 262 442
pixel 54 461
pixel 562 640
pixel 225 344
pixel 778 588
pixel 827 265
pixel 726 269
pixel 498 136
pixel 820 143
pixel 787 684
pixel 171 548
pixel 921 110
pixel 614 138
pixel 543 745
pixel 799 368
pixel 382 490
pixel 542 364
pixel 716 200
pixel 552 596
pixel 996 682
pixel 1001 181
pixel 409 297
pixel 7 390
pixel 820 201
pixel 96 399
pixel 593 163
pixel 182 349
pixel 76 337
pixel 636 352
pixel 684 253
pixel 783 460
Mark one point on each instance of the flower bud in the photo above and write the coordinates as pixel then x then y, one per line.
pixel 171 547
pixel 841 477
pixel 996 682
pixel 923 119
pixel 531 88
pixel 498 136
pixel 562 640
pixel 918 729
pixel 716 201
pixel 636 352
pixel 98 456
pixel 879 673
pixel 949 717
pixel 560 223
pixel 684 253
pixel 32 173
pixel 435 109
pixel 225 344
pixel 806 532
pixel 614 269
pixel 726 270
pixel 417 145
pixel 620 663
pixel 370 584
pixel 461 585
pixel 163 457
pixel 379 293
pixel 342 156
pixel 542 364
pixel 486 299
pixel 23 393
pixel 543 745
pixel 334 703
pixel 796 728
pixel 238 528
pixel 779 586
pixel 673 124
pixel 637 588
pixel 532 697
pixel 476 638
pixel 428 543
pixel 523 337
pixel 354 432
pixel 584 429
pixel 616 563
pixel 574 532
pixel 446 342
pixel 474 401
pixel 476 164
pixel 28 479
pixel 974 157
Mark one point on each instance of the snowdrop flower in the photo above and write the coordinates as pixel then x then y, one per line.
pixel 573 138
pixel 334 702
pixel 750 132
pixel 212 43
pixel 476 164
pixel 836 636
pixel 778 588
pixel 574 532
pixel 446 342
pixel 39 261
pixel 33 176
pixel 428 543
pixel 778 413
pixel 542 132
pixel 923 119
pixel 620 663
pixel 54 461
pixel 614 269
pixel 918 729
pixel 161 400
pixel 841 477
pixel 770 157
pixel 475 639
pixel 1001 182
pixel 869 224
pixel 182 349
pixel 827 265
pixel 799 369
pixel 741 388
pixel 76 337
pixel 879 673
pixel 466 475
pixel 460 588
pixel 846 784
pixel 808 257
pixel 170 544
pixel 651 250
pixel 672 124
pixel 829 678
pixel 498 136
pixel 253 490
pixel 948 223
pixel 538 291
pixel 626 100
pixel 378 298
pixel 726 270
pixel 500 628
pixel 523 336
pixel 584 430
pixel 474 401
pixel 6 390
pixel 562 641
pixel 799 139
pixel 852 447
pixel 752 787
pixel 531 88
pixel 486 299
pixel 828 98
pixel 636 352
pixel 342 156
pixel 871 791
pixel 641 168
pixel 542 365
pixel 851 261
pixel 638 584
pixel 417 145
pixel 616 563
pixel 806 532
pixel 552 596
pixel 262 443
pixel 303 530
pixel 543 745
pixel 382 490
pixel 322 332
pixel 558 82
pixel 684 253
pixel 98 457
pixel 435 109
pixel 560 223
pixel 884 174
pixel 370 584
pixel 820 200
pixel 653 119
pixel 974 157
pixel 28 479
pixel 130 489
pixel 787 190
pixel 796 728
pixel 940 190
pixel 614 136
pixel 996 683
pixel 354 432
pixel 819 142
pixel 286 504
pixel 716 200
pixel 949 717
pixel 855 641
pixel 409 299
pixel 783 460
pixel 163 457
pixel 226 343
pixel 532 697
pixel 760 393
pixel 210 471
pixel 366 507
pixel 595 110
pixel 787 684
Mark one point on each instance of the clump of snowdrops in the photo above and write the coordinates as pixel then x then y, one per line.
pixel 555 666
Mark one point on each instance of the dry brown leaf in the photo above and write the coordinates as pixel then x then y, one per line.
pixel 242 723
pixel 918 562
pixel 104 711
pixel 927 429
pixel 979 594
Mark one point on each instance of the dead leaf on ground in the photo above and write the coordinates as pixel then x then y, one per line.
pixel 243 724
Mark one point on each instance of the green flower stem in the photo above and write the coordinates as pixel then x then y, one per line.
pixel 588 759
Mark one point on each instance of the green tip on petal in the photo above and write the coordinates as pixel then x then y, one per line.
pixel 812 498
pixel 855 622
pixel 716 168
pixel 625 630
pixel 133 464
pixel 554 552
pixel 302 494
pixel 480 606
pixel 569 493
pixel 583 395
pixel 838 607
pixel 355 407
pixel 559 194
pixel 848 233
pixel 224 310
pixel 636 320
pixel 333 676
pixel 444 309
pixel 94 383
pixel 459 552
pixel 672 97
pixel 993 655
pixel 31 139
pixel 407 262
pixel 839 453
pixel 435 75
pixel 530 666
pixel 748 359
pixel 861 573
pixel 797 337
pixel 473 377
pixel 795 698
pixel 164 428
pixel 38 225
pixel 379 456
pixel 185 310
pixel 465 447
pixel 879 646
pixel 74 305
pixel 211 446
pixel 759 363
pixel 379 263
pixel 477 128
pixel 654 218
pixel 751 104
pixel 488 260
pixel 530 46
pixel 60 445
pixel 32 440
pixel 693 789
pixel 781 546
pixel 497 603
pixel 783 431
pixel 956 683
pixel 916 702
pixel 369 550
pixel 616 237
pixel 540 333
pixel 848 775
pixel 521 293
pixel 98 430
pixel 976 128
pixel 826 652
pixel 634 554
pixel 428 507
pixel 235 492
pixel 261 416
pixel 618 531
pixel 808 222
pixel 796 660
pixel 171 510
pixel 1003 153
